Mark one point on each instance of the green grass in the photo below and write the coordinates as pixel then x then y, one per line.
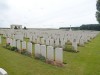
pixel 85 62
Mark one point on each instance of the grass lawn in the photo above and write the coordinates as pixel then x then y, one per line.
pixel 86 62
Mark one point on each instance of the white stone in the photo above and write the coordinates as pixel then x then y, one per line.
pixel 74 45
pixel 59 55
pixel 29 47
pixel 81 42
pixel 18 45
pixel 31 38
pixel 14 43
pixel 47 42
pixel 42 41
pixel 23 45
pixel 19 37
pixel 50 53
pixel 3 72
pixel 57 42
pixel 7 40
pixel 38 40
pixel 11 42
pixel 43 50
pixel 37 50
pixel 51 42
pixel 62 43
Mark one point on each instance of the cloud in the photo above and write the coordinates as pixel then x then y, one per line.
pixel 3 5
pixel 47 13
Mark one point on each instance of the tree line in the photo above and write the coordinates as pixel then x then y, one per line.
pixel 84 27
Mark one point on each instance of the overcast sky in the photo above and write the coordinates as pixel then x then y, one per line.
pixel 47 13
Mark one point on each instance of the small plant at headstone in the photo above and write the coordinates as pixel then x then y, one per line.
pixel 8 44
pixel 9 47
pixel 42 58
pixel 13 48
pixel 24 52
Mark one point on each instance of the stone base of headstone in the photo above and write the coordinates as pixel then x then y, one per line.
pixel 52 62
pixel 81 45
pixel 23 49
pixel 59 64
pixel 19 51
pixel 30 54
pixel 37 56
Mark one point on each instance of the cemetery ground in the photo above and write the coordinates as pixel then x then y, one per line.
pixel 85 62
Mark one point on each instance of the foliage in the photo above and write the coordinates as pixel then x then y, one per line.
pixel 14 49
pixel 98 11
pixel 67 28
pixel 90 27
pixel 15 27
pixel 25 28
pixel 84 27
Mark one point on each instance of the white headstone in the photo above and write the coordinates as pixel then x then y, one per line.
pixel 31 38
pixel 47 42
pixel 57 42
pixel 51 42
pixel 62 43
pixel 42 41
pixel 23 45
pixel 3 72
pixel 11 42
pixel 81 42
pixel 74 45
pixel 43 50
pixel 59 55
pixel 18 45
pixel 8 40
pixel 37 50
pixel 38 40
pixel 50 53
pixel 29 47
pixel 14 43
pixel 19 37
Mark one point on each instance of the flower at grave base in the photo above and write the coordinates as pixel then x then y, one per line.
pixel 23 49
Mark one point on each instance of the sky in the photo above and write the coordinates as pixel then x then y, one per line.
pixel 47 13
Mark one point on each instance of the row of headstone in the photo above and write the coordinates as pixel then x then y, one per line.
pixel 50 34
pixel 50 42
pixel 55 38
pixel 49 53
pixel 20 45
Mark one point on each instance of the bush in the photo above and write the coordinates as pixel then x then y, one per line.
pixel 13 48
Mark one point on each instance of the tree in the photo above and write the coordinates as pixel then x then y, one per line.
pixel 98 11
pixel 25 28
pixel 15 27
